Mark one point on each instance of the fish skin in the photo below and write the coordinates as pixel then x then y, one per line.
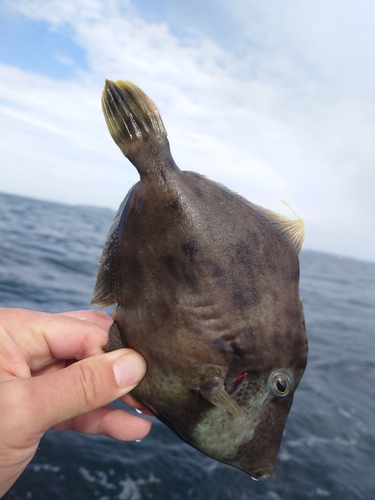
pixel 206 287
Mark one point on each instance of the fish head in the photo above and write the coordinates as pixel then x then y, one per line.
pixel 250 405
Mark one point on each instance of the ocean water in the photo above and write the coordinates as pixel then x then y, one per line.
pixel 48 260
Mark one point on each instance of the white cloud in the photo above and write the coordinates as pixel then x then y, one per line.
pixel 68 61
pixel 266 122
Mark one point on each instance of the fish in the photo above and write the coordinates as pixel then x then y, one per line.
pixel 206 288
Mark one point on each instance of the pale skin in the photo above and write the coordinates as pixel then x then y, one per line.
pixel 54 374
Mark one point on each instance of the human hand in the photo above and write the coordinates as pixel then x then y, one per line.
pixel 53 374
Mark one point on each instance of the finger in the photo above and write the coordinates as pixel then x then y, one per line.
pixel 43 337
pixel 111 422
pixel 53 367
pixel 130 400
pixel 100 318
pixel 81 387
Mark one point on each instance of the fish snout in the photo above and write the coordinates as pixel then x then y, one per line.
pixel 262 473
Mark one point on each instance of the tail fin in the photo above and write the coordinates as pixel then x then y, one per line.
pixel 129 113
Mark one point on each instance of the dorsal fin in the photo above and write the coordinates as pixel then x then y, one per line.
pixel 294 230
pixel 129 113
pixel 104 291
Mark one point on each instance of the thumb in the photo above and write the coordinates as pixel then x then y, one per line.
pixel 83 386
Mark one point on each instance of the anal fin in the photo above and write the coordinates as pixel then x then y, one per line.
pixel 114 339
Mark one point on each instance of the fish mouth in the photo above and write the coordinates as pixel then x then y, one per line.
pixel 262 473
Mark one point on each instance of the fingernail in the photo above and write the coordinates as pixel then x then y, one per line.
pixel 129 370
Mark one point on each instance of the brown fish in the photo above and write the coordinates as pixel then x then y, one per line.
pixel 206 287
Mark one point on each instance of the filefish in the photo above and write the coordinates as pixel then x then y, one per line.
pixel 206 288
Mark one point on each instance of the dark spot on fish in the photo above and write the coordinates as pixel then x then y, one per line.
pixel 176 206
pixel 247 267
pixel 239 300
pixel 198 192
pixel 291 270
pixel 190 248
pixel 242 251
pixel 222 346
pixel 217 272
pixel 192 281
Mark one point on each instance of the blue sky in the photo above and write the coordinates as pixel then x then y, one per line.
pixel 35 47
pixel 274 99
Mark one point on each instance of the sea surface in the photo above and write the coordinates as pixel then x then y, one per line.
pixel 48 261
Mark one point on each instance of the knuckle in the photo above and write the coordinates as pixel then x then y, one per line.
pixel 92 384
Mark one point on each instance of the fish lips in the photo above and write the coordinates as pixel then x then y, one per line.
pixel 261 469
pixel 257 456
pixel 262 473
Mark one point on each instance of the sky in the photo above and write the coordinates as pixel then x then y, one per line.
pixel 274 99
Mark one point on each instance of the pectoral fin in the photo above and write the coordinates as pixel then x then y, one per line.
pixel 214 392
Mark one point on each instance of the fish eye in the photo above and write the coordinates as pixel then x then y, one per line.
pixel 280 383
